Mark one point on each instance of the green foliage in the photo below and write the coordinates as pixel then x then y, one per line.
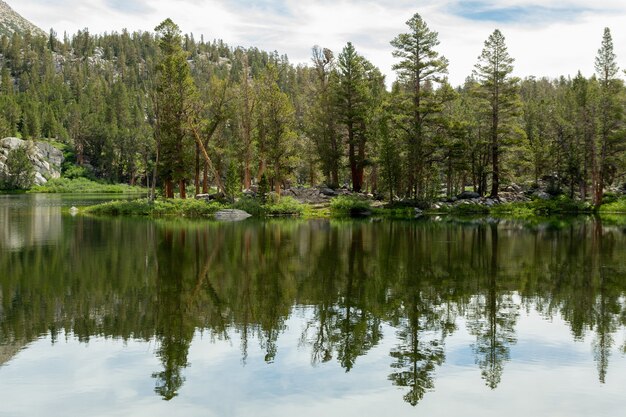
pixel 555 206
pixel 249 205
pixel 616 206
pixel 84 186
pixel 285 206
pixel 232 186
pixel 19 173
pixel 121 99
pixel 349 206
pixel 72 171
pixel 263 190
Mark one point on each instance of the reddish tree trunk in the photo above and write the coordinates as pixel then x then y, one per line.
pixel 182 188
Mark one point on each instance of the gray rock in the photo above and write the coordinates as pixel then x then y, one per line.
pixel 417 212
pixel 231 215
pixel 210 197
pixel 467 195
pixel 542 195
pixel 327 191
pixel 45 158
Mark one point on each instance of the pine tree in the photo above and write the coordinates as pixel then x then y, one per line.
pixel 610 114
pixel 175 93
pixel 420 67
pixel 275 129
pixel 501 91
pixel 19 172
pixel 352 96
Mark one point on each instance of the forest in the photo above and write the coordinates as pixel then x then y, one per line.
pixel 181 115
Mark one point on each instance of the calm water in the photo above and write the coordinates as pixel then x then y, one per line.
pixel 121 317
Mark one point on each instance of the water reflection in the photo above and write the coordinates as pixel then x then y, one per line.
pixel 164 281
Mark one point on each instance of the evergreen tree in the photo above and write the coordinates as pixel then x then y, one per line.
pixel 275 129
pixel 174 97
pixel 610 116
pixel 19 173
pixel 501 91
pixel 352 96
pixel 420 67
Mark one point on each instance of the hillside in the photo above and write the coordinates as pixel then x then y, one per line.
pixel 11 21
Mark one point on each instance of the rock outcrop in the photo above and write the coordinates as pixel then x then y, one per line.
pixel 46 159
pixel 313 195
pixel 230 215
pixel 11 21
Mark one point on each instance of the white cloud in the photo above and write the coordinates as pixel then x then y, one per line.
pixel 559 38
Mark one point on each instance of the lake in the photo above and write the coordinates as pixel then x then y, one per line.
pixel 431 317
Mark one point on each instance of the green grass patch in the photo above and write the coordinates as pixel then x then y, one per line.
pixel 614 207
pixel 84 186
pixel 159 208
pixel 544 208
pixel 347 205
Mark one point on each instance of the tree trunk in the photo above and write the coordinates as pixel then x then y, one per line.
pixel 169 189
pixel 182 187
pixel 205 179
pixel 197 173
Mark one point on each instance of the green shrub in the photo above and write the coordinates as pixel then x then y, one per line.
pixel 72 171
pixel 284 206
pixel 263 190
pixel 249 205
pixel 616 206
pixel 349 206
pixel 19 173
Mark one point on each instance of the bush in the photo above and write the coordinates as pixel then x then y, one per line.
pixel 249 205
pixel 349 206
pixel 264 189
pixel 284 206
pixel 72 171
pixel 616 206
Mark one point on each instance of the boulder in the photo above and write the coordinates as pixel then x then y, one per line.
pixel 210 197
pixel 328 192
pixel 231 215
pixel 468 195
pixel 542 195
pixel 45 158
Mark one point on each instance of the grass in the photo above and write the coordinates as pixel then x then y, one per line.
pixel 159 208
pixel 191 208
pixel 544 208
pixel 349 206
pixel 84 186
pixel 614 207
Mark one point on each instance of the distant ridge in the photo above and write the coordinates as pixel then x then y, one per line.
pixel 11 21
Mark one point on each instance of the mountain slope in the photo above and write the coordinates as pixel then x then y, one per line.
pixel 11 21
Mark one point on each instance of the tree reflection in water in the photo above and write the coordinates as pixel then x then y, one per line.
pixel 165 281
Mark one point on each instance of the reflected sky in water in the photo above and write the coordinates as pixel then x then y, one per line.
pixel 153 318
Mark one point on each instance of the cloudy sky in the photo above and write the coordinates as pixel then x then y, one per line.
pixel 546 37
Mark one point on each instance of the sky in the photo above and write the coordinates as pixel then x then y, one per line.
pixel 545 37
